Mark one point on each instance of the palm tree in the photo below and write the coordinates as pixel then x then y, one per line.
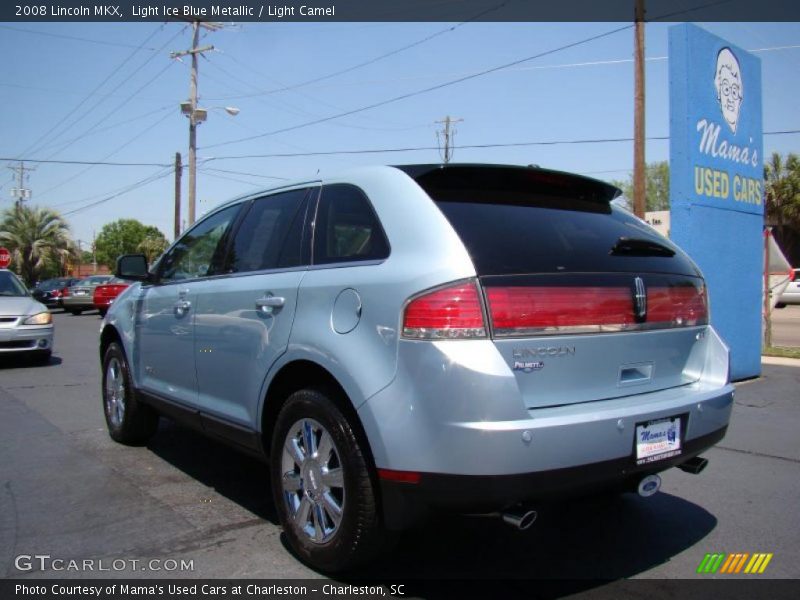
pixel 782 195
pixel 36 237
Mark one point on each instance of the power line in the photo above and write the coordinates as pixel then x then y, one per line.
pixel 71 141
pixel 61 122
pixel 361 151
pixel 112 153
pixel 464 146
pixel 247 174
pixel 91 162
pixel 425 90
pixel 371 60
pixel 74 38
pixel 129 188
pixel 127 98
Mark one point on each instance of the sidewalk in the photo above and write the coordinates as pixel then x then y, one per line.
pixel 766 416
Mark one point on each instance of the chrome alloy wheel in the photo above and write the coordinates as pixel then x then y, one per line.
pixel 313 480
pixel 115 392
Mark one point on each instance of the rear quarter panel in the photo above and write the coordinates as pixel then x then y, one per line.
pixel 425 252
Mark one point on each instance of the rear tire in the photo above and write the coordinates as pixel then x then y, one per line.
pixel 102 312
pixel 75 311
pixel 323 492
pixel 129 421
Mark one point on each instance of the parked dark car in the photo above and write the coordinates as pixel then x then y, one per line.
pixel 49 291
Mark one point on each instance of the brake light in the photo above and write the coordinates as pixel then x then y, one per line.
pixel 525 309
pixel 677 306
pixel 544 310
pixel 454 312
pixel 65 292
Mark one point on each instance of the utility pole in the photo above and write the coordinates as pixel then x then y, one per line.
pixel 196 115
pixel 447 134
pixel 94 252
pixel 639 166
pixel 21 193
pixel 178 173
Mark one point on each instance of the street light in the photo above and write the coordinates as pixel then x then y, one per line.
pixel 197 115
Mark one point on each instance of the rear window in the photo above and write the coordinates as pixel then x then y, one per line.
pixel 517 221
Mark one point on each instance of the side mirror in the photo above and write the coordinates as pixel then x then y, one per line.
pixel 133 267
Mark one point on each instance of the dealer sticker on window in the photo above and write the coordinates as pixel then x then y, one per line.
pixel 658 440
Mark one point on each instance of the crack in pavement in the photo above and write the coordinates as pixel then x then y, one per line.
pixel 761 454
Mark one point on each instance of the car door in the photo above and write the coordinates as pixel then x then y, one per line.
pixel 243 320
pixel 165 340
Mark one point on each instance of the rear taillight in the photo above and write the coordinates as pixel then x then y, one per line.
pixel 519 310
pixel 65 292
pixel 677 306
pixel 550 310
pixel 453 312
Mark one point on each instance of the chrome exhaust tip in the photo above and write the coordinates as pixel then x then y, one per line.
pixel 694 465
pixel 519 518
pixel 648 486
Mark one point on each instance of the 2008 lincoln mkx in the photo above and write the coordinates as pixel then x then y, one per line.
pixel 361 334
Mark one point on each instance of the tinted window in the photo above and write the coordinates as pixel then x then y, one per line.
pixel 271 235
pixel 505 239
pixel 347 228
pixel 200 251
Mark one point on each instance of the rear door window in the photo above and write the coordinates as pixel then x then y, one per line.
pixel 347 228
pixel 271 234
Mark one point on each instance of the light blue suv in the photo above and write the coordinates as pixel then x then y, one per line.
pixel 401 340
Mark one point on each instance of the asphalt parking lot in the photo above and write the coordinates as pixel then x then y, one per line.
pixel 68 491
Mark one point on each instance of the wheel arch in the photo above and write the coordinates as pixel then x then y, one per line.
pixel 108 336
pixel 301 374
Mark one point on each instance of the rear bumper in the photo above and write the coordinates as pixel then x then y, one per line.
pixel 404 503
pixel 458 420
pixel 82 302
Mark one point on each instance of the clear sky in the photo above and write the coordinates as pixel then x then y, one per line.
pixel 105 92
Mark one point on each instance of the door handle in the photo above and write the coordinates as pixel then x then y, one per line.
pixel 268 304
pixel 182 307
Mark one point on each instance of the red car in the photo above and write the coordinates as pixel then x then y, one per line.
pixel 105 293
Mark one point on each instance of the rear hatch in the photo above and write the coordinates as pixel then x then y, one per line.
pixel 584 301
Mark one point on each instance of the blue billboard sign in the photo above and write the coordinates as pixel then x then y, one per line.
pixel 716 181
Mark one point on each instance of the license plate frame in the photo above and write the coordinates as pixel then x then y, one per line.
pixel 658 439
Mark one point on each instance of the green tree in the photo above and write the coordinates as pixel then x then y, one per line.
pixel 782 197
pixel 656 185
pixel 153 247
pixel 123 237
pixel 38 239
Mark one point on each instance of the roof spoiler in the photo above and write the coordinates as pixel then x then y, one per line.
pixel 436 178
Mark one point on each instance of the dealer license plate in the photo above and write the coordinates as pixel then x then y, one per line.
pixel 658 440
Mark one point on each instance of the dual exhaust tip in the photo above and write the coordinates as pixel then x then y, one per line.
pixel 521 518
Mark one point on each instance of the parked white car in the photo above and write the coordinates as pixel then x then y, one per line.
pixel 26 325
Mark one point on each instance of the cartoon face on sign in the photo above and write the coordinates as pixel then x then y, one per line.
pixel 730 87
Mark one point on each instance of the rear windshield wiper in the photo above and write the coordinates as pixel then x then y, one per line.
pixel 626 246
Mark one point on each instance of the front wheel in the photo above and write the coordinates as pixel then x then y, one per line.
pixel 129 421
pixel 321 485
